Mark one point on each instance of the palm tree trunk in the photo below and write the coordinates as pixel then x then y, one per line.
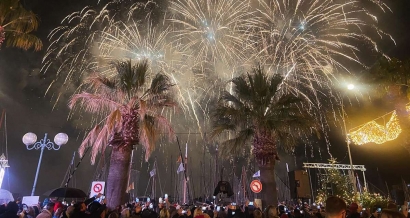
pixel 118 175
pixel 264 149
pixel 269 194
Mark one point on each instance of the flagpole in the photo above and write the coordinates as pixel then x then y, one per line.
pixel 184 165
pixel 185 170
pixel 129 175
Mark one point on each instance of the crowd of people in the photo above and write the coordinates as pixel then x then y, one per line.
pixel 95 208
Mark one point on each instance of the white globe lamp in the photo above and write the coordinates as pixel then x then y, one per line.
pixel 350 86
pixel 29 138
pixel 61 139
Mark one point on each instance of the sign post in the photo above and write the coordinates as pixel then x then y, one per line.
pixel 97 187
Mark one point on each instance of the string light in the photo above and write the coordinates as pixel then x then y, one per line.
pixel 376 133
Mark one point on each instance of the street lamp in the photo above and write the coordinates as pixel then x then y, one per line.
pixel 30 140
pixel 349 87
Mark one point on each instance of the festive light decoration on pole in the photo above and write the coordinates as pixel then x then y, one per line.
pixel 2 35
pixel 377 133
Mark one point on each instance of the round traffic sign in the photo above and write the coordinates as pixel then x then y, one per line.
pixel 256 186
pixel 97 188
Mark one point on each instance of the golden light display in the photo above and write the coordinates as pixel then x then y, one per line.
pixel 376 133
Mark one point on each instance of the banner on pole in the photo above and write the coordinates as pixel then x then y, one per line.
pixel 97 187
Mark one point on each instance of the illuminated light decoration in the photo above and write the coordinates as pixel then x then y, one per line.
pixel 3 164
pixel 2 35
pixel 376 133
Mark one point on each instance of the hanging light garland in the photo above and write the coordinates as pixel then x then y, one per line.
pixel 376 133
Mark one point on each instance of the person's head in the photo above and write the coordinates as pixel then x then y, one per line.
pixel 198 212
pixel 335 207
pixel 164 213
pixel 50 207
pixel 271 212
pixel 30 211
pixel 354 208
pixel 375 211
pixel 391 214
pixel 257 214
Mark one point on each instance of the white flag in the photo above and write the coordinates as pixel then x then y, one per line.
pixel 257 174
pixel 153 172
pixel 180 168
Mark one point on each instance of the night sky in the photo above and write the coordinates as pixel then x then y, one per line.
pixel 22 89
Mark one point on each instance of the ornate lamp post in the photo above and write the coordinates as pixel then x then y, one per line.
pixel 30 140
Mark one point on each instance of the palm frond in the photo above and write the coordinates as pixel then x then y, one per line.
pixel 237 144
pixel 89 140
pixel 93 103
pixel 18 23
pixel 23 40
pixel 164 126
pixel 131 77
pixel 160 84
pixel 113 121
pixel 147 135
pixel 100 143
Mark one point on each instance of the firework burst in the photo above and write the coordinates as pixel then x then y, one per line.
pixel 202 43
pixel 212 30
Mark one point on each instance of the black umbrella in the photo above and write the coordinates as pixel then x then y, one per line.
pixel 66 193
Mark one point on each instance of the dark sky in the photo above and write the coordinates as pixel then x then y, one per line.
pixel 22 90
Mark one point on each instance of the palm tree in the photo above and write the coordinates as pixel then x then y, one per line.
pixel 131 111
pixel 257 111
pixel 16 26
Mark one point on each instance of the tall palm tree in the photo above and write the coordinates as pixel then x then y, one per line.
pixel 16 26
pixel 258 113
pixel 131 110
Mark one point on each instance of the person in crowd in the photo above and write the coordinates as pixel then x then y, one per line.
pixel 164 213
pixel 296 213
pixel 405 209
pixel 271 212
pixel 316 213
pixel 282 212
pixel 11 211
pixel 257 213
pixel 391 214
pixel 68 212
pixel 47 211
pixel 58 209
pixel 29 213
pixel 198 213
pixel 374 212
pixel 335 207
pixel 354 211
pixel 137 211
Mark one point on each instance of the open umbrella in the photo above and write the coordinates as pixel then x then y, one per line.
pixel 5 196
pixel 66 193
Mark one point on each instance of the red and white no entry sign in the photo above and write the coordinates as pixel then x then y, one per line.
pixel 97 188
pixel 256 186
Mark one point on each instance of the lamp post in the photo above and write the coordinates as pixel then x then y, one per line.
pixel 30 140
pixel 349 87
